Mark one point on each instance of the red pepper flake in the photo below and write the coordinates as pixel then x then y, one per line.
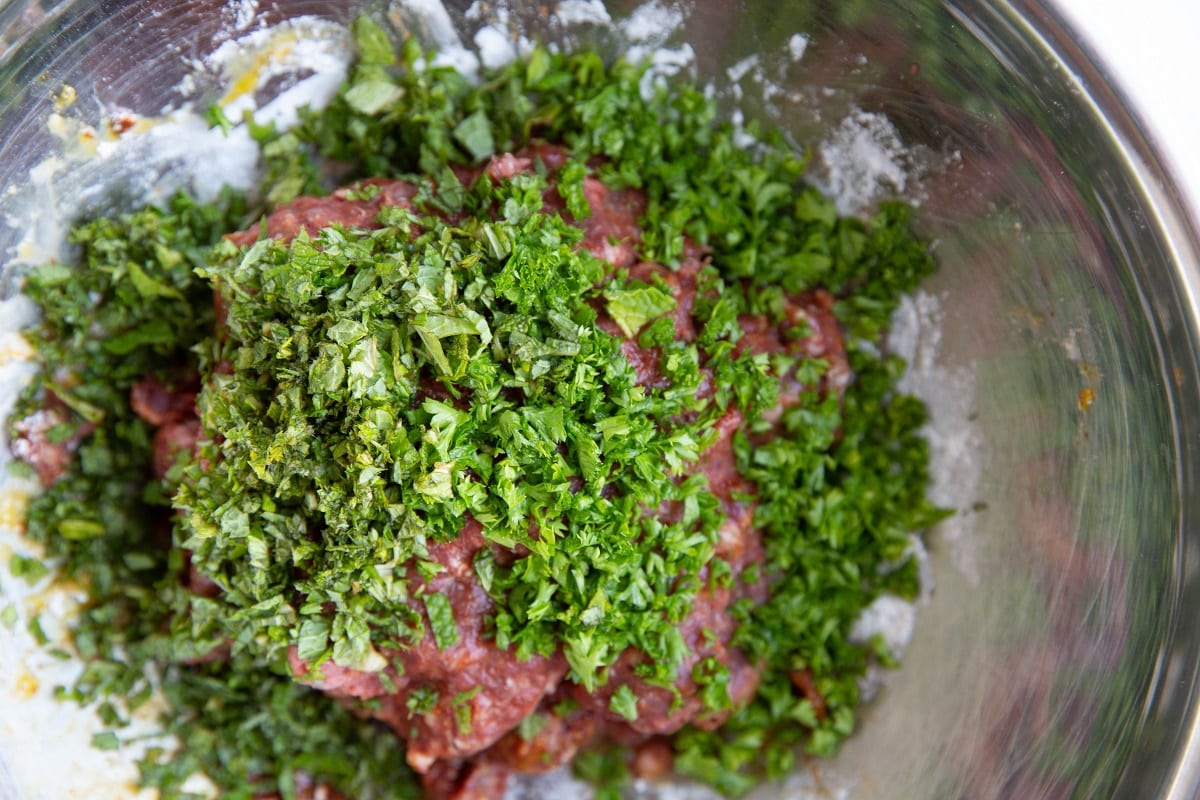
pixel 121 122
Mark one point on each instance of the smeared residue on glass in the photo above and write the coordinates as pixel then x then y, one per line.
pixel 956 445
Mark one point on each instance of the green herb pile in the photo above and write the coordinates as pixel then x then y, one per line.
pixel 328 467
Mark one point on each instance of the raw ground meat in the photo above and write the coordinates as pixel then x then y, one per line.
pixel 306 789
pixel 35 442
pixel 506 689
pixel 501 689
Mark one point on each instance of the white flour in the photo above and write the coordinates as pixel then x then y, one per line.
pixel 957 449
pixel 238 14
pixel 158 156
pixel 652 22
pixel 46 750
pixel 582 12
pixel 45 745
pixel 864 160
pixel 797 44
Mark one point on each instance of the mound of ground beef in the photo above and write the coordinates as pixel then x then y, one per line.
pixel 503 690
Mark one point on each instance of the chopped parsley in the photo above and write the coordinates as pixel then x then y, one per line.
pixel 624 702
pixel 366 391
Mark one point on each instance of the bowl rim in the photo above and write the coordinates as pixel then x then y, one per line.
pixel 1172 220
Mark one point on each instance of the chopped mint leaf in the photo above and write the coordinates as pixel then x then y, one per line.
pixel 474 133
pixel 633 307
pixel 30 569
pixel 106 740
pixel 624 702
pixel 372 42
pixel 441 620
pixel 372 95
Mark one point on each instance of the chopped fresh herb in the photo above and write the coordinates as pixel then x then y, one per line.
pixel 713 677
pixel 366 390
pixel 441 620
pixel 624 702
pixel 31 569
pixel 474 133
pixel 105 740
pixel 421 700
pixel 36 631
pixel 462 710
pixel 532 725
pixel 605 769
pixel 633 307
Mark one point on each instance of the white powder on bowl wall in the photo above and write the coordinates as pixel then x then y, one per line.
pixel 161 155
pixel 652 22
pixel 239 14
pixel 957 448
pixel 797 44
pixel 863 160
pixel 582 12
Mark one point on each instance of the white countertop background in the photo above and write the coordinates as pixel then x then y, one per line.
pixel 1152 48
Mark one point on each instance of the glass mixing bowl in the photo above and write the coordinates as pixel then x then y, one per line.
pixel 1057 347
